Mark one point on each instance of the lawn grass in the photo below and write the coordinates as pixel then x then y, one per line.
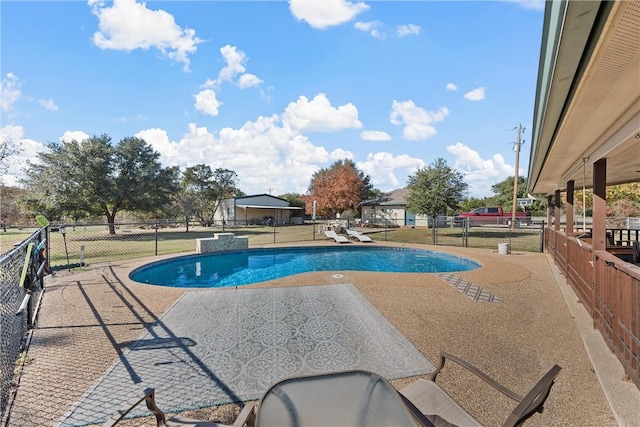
pixel 97 245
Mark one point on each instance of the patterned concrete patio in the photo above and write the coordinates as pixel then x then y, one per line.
pixel 229 345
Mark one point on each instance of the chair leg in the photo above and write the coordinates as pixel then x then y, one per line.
pixel 150 400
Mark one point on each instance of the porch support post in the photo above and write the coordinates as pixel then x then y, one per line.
pixel 557 208
pixel 549 209
pixel 599 205
pixel 568 228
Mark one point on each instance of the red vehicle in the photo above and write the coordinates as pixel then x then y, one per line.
pixel 492 216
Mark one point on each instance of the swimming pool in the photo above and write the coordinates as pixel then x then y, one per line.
pixel 238 268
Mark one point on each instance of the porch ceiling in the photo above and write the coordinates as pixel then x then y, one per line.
pixel 592 108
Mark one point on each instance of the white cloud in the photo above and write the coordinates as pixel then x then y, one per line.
pixel 136 118
pixel 248 80
pixel 28 150
pixel 384 168
pixel 9 91
pixel 209 84
pixel 159 140
pixel 407 30
pixel 479 173
pixel 529 4
pixel 417 121
pixel 74 135
pixel 475 95
pixel 129 25
pixel 366 26
pixel 452 86
pixel 48 104
pixel 370 27
pixel 207 103
pixel 264 153
pixel 325 13
pixel 318 115
pixel 235 63
pixel 375 135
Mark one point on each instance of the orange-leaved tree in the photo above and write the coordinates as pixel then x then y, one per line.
pixel 338 188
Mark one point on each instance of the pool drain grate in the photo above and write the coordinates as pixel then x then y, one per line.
pixel 474 292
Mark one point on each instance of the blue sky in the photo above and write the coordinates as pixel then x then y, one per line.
pixel 276 90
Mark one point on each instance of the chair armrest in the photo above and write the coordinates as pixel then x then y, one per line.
pixel 246 417
pixel 493 383
pixel 148 396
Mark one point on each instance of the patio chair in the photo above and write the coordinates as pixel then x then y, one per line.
pixel 335 236
pixel 356 235
pixel 441 409
pixel 246 417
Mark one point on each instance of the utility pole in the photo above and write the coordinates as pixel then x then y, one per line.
pixel 515 177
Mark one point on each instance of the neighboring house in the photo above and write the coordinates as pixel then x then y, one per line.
pixel 390 209
pixel 257 209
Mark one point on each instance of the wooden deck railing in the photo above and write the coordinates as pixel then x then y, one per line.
pixel 609 289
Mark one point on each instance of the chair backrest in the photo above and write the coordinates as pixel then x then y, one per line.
pixel 534 400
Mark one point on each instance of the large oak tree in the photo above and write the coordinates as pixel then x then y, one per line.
pixel 99 178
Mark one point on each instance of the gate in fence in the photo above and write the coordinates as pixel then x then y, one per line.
pixel 448 231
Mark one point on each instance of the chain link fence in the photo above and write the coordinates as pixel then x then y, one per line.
pixel 77 245
pixel 17 305
pixel 446 231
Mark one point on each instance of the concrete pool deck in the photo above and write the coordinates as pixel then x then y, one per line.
pixel 89 319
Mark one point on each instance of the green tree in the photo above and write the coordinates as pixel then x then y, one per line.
pixel 471 203
pixel 226 186
pixel 203 190
pixel 434 189
pixel 95 177
pixel 8 148
pixel 503 192
pixel 294 199
pixel 198 193
pixel 338 188
pixel 10 212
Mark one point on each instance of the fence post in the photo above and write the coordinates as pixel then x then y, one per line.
pixel 157 225
pixel 465 232
pixel 433 230
pixel 542 237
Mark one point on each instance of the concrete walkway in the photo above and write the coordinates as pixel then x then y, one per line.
pixel 89 319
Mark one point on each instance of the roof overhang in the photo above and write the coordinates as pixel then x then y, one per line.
pixel 279 208
pixel 587 103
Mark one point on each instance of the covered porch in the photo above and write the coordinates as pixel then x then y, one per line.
pixel 586 135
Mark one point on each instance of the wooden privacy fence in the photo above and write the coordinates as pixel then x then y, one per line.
pixel 609 288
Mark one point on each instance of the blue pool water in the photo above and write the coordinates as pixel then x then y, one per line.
pixel 258 265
